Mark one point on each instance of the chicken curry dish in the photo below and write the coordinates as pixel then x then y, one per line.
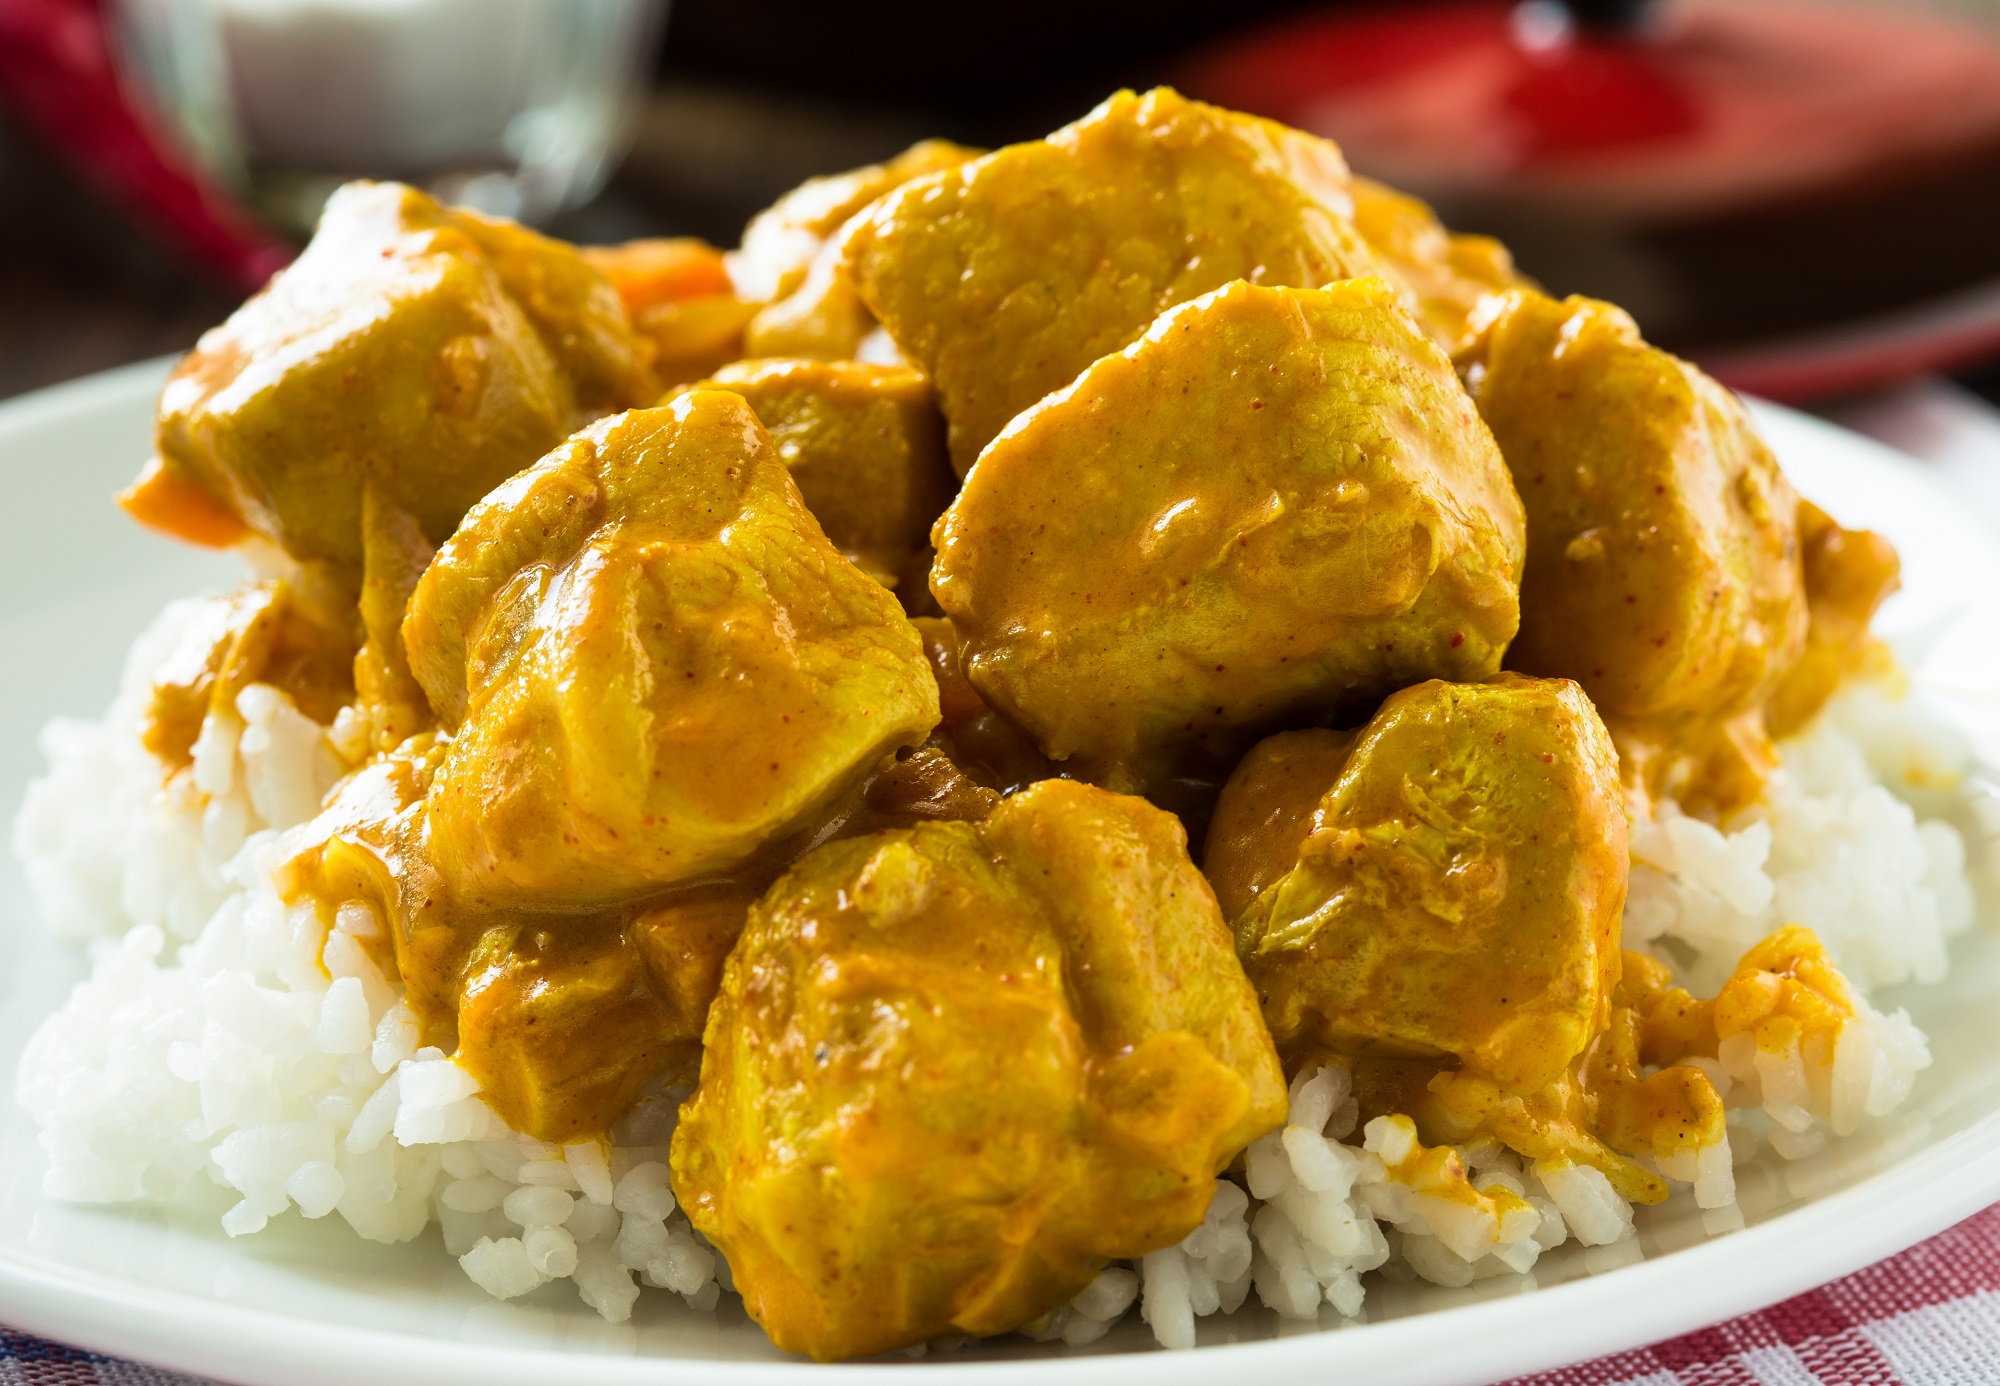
pixel 987 689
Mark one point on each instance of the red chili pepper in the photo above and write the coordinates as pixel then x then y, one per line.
pixel 58 71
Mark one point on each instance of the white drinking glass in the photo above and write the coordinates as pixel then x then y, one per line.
pixel 516 107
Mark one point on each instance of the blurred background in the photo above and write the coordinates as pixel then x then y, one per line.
pixel 1803 195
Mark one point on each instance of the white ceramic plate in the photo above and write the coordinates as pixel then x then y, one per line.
pixel 307 1304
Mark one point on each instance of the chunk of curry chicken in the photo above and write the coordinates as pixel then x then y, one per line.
pixel 1663 570
pixel 866 447
pixel 980 741
pixel 426 352
pixel 621 640
pixel 1276 503
pixel 1448 278
pixel 652 663
pixel 1456 892
pixel 1006 276
pixel 791 260
pixel 956 1069
pixel 563 1012
pixel 1266 810
pixel 781 242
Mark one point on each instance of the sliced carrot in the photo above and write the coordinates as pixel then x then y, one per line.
pixel 175 506
pixel 668 270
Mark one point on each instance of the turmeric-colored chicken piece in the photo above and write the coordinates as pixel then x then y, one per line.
pixel 560 1022
pixel 564 1019
pixel 977 739
pixel 1266 810
pixel 866 447
pixel 389 705
pixel 573 306
pixel 1663 568
pixel 652 662
pixel 427 352
pixel 1448 276
pixel 790 260
pixel 823 319
pixel 562 1014
pixel 1277 503
pixel 1006 276
pixel 1459 891
pixel 955 1069
pixel 781 241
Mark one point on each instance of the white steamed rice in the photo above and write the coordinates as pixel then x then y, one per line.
pixel 224 1036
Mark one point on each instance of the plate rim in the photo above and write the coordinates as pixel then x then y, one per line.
pixel 1919 1194
pixel 1926 1192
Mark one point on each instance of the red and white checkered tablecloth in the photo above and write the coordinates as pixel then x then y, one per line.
pixel 1929 1317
